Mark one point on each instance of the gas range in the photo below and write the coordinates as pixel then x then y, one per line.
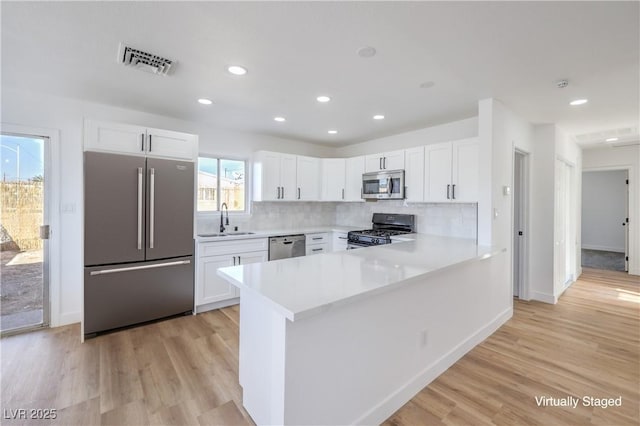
pixel 385 226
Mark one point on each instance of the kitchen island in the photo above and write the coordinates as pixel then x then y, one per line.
pixel 349 337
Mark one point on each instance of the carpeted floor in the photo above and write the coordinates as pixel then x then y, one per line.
pixel 598 259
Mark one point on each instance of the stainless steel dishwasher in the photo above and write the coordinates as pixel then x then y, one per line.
pixel 286 246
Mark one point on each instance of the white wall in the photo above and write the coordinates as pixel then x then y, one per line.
pixel 500 132
pixel 455 130
pixel 627 157
pixel 66 115
pixel 541 221
pixel 550 144
pixel 604 196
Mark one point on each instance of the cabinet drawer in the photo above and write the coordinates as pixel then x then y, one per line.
pixel 235 246
pixel 317 238
pixel 317 249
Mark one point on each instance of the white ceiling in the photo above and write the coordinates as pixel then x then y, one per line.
pixel 294 51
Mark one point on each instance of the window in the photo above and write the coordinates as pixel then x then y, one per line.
pixel 221 181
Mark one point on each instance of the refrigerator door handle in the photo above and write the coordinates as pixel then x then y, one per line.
pixel 138 268
pixel 152 208
pixel 139 208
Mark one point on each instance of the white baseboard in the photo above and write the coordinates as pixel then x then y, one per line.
pixel 397 399
pixel 634 271
pixel 603 248
pixel 217 305
pixel 67 318
pixel 543 297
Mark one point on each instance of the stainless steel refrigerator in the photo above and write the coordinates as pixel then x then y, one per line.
pixel 138 240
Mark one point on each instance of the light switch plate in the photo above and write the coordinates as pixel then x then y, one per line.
pixel 506 190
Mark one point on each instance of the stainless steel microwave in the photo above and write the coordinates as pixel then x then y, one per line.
pixel 383 185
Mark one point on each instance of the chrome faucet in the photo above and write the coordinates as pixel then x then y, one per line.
pixel 223 206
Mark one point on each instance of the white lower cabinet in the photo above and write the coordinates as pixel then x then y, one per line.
pixel 213 292
pixel 339 241
pixel 317 243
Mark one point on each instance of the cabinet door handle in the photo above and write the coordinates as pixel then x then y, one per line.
pixel 343 193
pixel 142 142
pixel 317 238
pixel 453 191
pixel 380 162
pixel 318 249
pixel 342 238
pixel 384 163
pixel 448 188
pixel 152 206
pixel 298 193
pixel 277 192
pixel 139 208
pixel 239 260
pixel 234 261
pixel 149 143
pixel 282 192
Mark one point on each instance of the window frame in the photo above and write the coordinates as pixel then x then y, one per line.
pixel 247 180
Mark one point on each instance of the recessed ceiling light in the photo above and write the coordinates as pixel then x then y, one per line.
pixel 578 102
pixel 332 132
pixel 611 140
pixel 205 101
pixel 237 70
pixel 323 98
pixel 280 119
pixel 378 117
pixel 366 52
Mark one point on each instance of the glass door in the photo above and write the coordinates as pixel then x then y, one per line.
pixel 23 233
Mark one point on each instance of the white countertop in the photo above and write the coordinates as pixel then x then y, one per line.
pixel 303 286
pixel 277 232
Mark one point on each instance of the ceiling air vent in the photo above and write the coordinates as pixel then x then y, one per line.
pixel 144 61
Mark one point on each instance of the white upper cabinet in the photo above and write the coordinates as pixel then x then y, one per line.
pixel 465 170
pixel 451 171
pixel 168 144
pixel 288 176
pixel 392 160
pixel 333 172
pixel 138 140
pixel 437 183
pixel 414 174
pixel 354 168
pixel 274 176
pixel 308 178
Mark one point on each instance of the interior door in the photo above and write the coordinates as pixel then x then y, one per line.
pixel 169 208
pixel 114 208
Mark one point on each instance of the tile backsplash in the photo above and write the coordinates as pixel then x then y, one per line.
pixel 276 215
pixel 447 219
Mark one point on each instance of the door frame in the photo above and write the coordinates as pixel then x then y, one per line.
pixel 525 181
pixel 51 313
pixel 629 170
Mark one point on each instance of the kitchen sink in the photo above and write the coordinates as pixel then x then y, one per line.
pixel 225 234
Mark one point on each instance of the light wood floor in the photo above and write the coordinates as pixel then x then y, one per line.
pixel 184 371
